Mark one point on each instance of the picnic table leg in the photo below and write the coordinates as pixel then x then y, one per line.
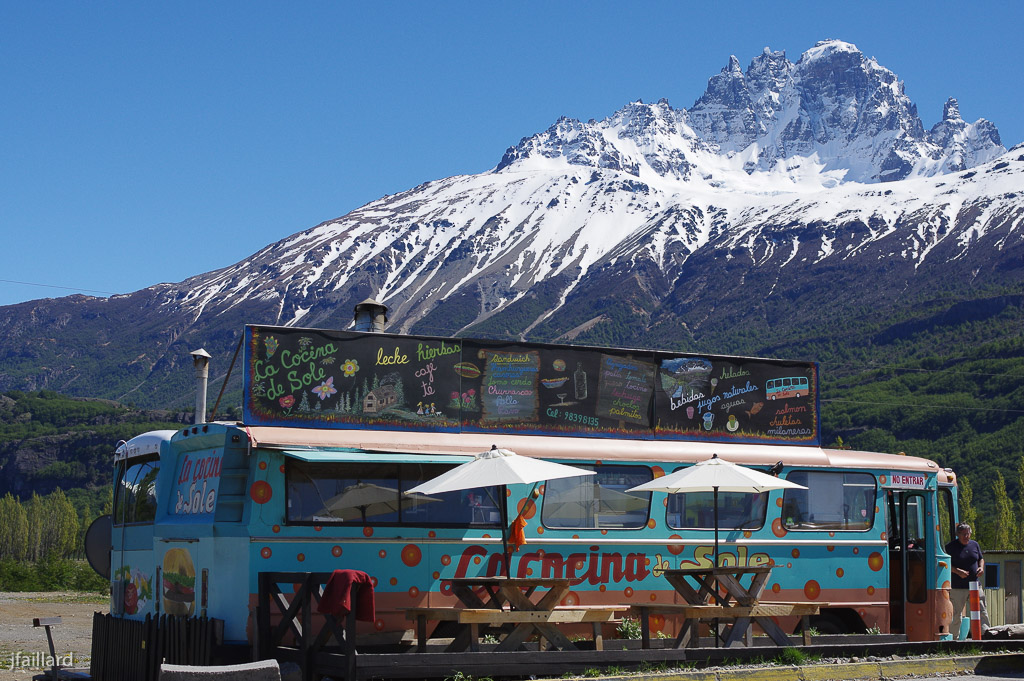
pixel 421 633
pixel 474 637
pixel 769 627
pixel 805 629
pixel 515 638
pixel 740 632
pixel 689 634
pixel 645 627
pixel 462 640
pixel 598 636
pixel 553 635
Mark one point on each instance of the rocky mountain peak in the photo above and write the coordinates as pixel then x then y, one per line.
pixel 835 112
pixel 951 110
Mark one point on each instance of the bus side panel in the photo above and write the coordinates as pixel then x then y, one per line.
pixel 133 585
pixel 227 585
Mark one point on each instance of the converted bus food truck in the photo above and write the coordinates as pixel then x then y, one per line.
pixel 338 425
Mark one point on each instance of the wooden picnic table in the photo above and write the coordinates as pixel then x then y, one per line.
pixel 718 593
pixel 512 607
pixel 722 585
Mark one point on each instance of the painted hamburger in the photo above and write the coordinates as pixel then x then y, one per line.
pixel 179 583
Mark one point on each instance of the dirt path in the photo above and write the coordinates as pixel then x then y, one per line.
pixel 23 648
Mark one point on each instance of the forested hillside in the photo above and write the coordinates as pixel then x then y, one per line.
pixel 50 442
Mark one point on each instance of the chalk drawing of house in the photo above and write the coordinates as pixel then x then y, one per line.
pixel 379 399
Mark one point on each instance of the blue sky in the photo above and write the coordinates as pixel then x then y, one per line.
pixel 148 142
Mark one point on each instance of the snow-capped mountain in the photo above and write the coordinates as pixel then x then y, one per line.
pixel 789 196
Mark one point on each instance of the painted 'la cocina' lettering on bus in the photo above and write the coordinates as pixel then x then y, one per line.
pixel 593 567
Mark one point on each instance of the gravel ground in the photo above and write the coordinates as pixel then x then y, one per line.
pixel 23 646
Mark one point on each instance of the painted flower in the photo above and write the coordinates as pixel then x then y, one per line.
pixel 287 401
pixel 350 367
pixel 325 389
pixel 271 344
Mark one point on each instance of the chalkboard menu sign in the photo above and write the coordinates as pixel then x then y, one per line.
pixel 325 379
pixel 557 389
pixel 736 399
pixel 335 379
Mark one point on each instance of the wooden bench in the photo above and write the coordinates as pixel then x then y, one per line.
pixel 542 622
pixel 741 615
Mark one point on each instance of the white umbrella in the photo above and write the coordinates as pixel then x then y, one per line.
pixel 717 475
pixel 498 467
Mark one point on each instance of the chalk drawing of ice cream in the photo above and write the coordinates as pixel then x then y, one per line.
pixel 709 418
pixel 732 425
pixel 714 384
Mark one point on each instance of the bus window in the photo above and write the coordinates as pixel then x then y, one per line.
pixel 947 520
pixel 736 511
pixel 598 501
pixel 136 493
pixel 371 493
pixel 917 548
pixel 832 501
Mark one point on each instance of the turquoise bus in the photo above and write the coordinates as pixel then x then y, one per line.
pixel 201 511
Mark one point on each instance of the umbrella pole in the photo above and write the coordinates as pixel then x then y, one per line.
pixel 504 529
pixel 715 581
pixel 716 526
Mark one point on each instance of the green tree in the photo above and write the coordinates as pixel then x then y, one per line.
pixel 1003 530
pixel 967 512
pixel 13 528
pixel 1019 525
pixel 64 524
pixel 36 515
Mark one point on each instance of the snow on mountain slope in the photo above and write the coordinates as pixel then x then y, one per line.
pixel 497 235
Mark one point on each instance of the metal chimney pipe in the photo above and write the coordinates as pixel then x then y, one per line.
pixel 201 361
pixel 370 316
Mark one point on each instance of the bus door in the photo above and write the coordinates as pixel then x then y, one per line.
pixel 909 515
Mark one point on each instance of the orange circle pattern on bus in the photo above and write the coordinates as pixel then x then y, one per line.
pixel 675 549
pixel 260 492
pixel 411 555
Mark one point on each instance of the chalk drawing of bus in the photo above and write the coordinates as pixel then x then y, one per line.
pixel 785 388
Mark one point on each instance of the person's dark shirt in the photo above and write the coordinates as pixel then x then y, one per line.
pixel 966 557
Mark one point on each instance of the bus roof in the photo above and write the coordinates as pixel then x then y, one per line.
pixel 569 448
pixel 142 445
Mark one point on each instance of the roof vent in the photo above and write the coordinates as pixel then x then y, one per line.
pixel 370 316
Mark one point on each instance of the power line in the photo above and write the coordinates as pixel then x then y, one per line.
pixel 65 288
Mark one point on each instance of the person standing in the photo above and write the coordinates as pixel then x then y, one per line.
pixel 968 565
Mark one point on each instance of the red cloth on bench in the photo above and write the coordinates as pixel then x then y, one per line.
pixel 337 598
